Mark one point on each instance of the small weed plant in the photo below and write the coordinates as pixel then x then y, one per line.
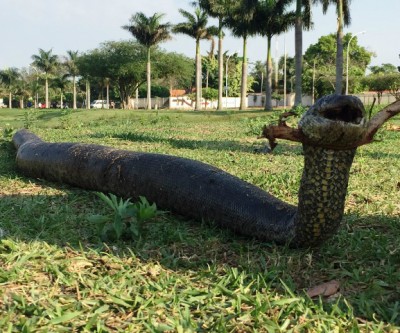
pixel 30 117
pixel 66 119
pixel 127 219
pixel 299 110
pixel 7 132
pixel 5 140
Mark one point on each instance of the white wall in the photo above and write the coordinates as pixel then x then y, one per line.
pixel 253 100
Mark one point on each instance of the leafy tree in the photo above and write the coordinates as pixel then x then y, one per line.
pixel 123 66
pixel 156 91
pixel 72 71
pixel 196 27
pixel 258 73
pixel 242 24
pixel 8 79
pixel 124 63
pixel 381 82
pixel 343 19
pixel 36 82
pixel 290 71
pixel 320 64
pixel 218 9
pixel 61 83
pixel 210 94
pixel 47 62
pixel 394 85
pixel 383 69
pixel 21 87
pixel 149 31
pixel 273 19
pixel 174 70
pixel 209 63
pixel 235 77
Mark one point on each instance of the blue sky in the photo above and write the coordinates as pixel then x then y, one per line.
pixel 62 25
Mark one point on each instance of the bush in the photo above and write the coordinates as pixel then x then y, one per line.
pixel 156 91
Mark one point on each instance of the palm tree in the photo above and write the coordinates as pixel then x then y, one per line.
pixel 209 61
pixel 303 20
pixel 196 27
pixel 149 31
pixel 218 9
pixel 72 71
pixel 46 62
pixel 9 78
pixel 61 83
pixel 242 24
pixel 273 19
pixel 343 19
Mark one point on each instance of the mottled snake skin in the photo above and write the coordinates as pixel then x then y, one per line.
pixel 200 191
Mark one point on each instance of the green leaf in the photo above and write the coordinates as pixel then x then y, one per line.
pixel 118 226
pixel 7 245
pixel 119 301
pixel 106 199
pixel 134 230
pixel 65 317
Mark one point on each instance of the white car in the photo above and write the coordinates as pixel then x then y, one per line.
pixel 99 104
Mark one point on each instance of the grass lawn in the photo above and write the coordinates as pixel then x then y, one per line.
pixel 56 274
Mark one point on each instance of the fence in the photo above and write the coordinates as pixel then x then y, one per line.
pixel 368 98
pixel 253 100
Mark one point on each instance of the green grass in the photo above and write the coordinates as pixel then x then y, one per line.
pixel 56 275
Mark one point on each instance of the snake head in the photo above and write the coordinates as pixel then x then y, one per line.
pixel 336 121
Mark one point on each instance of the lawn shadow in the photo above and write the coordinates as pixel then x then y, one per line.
pixel 380 155
pixel 258 147
pixel 227 145
pixel 60 217
pixel 179 244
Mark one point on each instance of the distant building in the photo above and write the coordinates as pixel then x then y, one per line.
pixel 177 92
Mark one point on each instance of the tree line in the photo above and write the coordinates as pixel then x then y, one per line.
pixel 126 66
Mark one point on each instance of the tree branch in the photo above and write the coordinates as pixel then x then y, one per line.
pixel 378 120
pixel 282 131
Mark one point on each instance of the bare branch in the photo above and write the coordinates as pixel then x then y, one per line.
pixel 379 119
pixel 282 131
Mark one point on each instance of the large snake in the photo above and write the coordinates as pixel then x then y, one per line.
pixel 200 191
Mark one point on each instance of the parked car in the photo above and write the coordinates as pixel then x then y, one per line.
pixel 99 104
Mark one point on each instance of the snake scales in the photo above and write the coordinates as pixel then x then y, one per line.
pixel 200 191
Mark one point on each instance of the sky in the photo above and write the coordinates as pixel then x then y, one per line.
pixel 82 25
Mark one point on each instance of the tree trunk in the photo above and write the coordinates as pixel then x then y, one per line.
pixel 268 79
pixel 298 53
pixel 74 93
pixel 148 80
pixel 87 94
pixel 198 76
pixel 10 100
pixel 47 92
pixel 339 50
pixel 220 67
pixel 243 91
pixel 276 70
pixel 108 93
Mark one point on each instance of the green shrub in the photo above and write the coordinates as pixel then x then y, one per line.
pixel 127 219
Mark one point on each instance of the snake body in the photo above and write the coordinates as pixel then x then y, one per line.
pixel 200 191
